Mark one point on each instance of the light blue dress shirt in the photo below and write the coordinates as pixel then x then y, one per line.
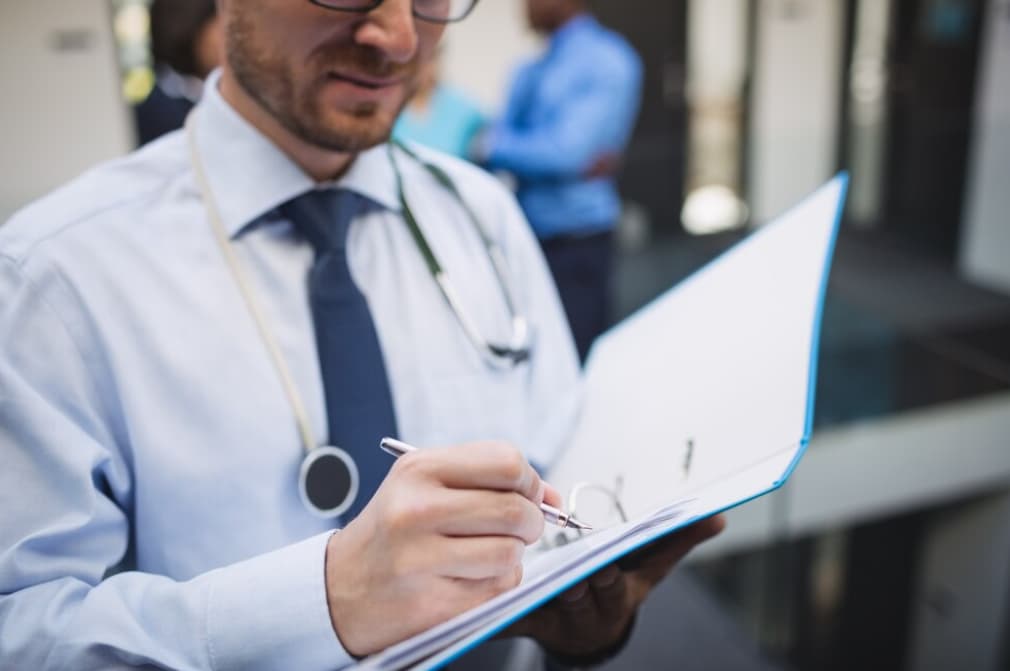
pixel 578 101
pixel 141 416
pixel 449 123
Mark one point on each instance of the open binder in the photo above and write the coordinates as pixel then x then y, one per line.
pixel 699 402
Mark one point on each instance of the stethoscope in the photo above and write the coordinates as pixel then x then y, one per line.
pixel 328 479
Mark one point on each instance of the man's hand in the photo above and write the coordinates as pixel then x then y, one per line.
pixel 445 532
pixel 591 618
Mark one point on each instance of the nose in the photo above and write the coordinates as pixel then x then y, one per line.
pixel 391 29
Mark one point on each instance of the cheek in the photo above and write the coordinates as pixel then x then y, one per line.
pixel 428 37
pixel 303 42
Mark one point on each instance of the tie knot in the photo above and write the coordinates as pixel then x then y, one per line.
pixel 323 216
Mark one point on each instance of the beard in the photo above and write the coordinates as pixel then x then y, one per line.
pixel 293 95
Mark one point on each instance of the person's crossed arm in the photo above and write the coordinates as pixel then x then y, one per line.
pixel 581 137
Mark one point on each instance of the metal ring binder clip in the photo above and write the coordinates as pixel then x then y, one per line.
pixel 613 496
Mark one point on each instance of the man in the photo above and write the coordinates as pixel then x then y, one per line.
pixel 178 326
pixel 568 117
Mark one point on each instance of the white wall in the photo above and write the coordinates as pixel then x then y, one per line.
pixel 60 110
pixel 985 248
pixel 716 48
pixel 867 107
pixel 716 67
pixel 481 52
pixel 794 120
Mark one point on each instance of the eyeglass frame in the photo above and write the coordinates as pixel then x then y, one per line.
pixel 375 3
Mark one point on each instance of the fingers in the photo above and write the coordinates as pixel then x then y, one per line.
pixel 686 539
pixel 450 522
pixel 577 601
pixel 480 558
pixel 710 527
pixel 593 613
pixel 610 590
pixel 487 465
pixel 488 513
pixel 552 497
pixel 477 592
pixel 603 593
pixel 458 595
pixel 589 617
pixel 655 560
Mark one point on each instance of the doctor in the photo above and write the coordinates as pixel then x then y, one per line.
pixel 201 344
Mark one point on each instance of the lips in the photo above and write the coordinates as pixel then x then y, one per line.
pixel 365 81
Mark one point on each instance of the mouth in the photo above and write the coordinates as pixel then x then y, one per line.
pixel 365 81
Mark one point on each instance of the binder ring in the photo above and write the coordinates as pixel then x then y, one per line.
pixel 612 493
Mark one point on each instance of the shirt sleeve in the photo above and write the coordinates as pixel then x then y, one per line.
pixel 594 118
pixel 66 488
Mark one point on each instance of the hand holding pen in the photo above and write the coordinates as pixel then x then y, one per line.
pixel 552 515
pixel 449 521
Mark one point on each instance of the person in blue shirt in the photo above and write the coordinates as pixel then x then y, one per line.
pixel 439 116
pixel 568 117
pixel 176 325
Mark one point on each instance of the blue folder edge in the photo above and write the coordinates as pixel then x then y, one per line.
pixel 843 177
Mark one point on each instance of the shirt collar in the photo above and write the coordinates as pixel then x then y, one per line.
pixel 174 84
pixel 250 176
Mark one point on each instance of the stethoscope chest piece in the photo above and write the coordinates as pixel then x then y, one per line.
pixel 328 481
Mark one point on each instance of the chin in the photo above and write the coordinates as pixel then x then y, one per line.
pixel 351 136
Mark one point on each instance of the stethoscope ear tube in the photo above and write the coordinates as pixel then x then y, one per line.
pixel 520 342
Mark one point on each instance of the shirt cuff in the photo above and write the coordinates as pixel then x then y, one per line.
pixel 270 612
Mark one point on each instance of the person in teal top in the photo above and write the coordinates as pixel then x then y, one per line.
pixel 439 116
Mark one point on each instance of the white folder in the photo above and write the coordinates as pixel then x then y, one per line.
pixel 699 402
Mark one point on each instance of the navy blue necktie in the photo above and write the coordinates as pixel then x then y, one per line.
pixel 359 406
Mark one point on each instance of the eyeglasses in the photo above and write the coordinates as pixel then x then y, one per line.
pixel 436 11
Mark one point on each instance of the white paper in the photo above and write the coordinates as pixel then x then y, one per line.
pixel 724 362
pixel 543 572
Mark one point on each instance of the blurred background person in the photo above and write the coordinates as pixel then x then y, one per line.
pixel 439 116
pixel 186 44
pixel 569 115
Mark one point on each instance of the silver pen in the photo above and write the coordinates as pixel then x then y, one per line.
pixel 398 448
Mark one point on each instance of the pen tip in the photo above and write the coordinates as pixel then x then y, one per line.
pixel 579 525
